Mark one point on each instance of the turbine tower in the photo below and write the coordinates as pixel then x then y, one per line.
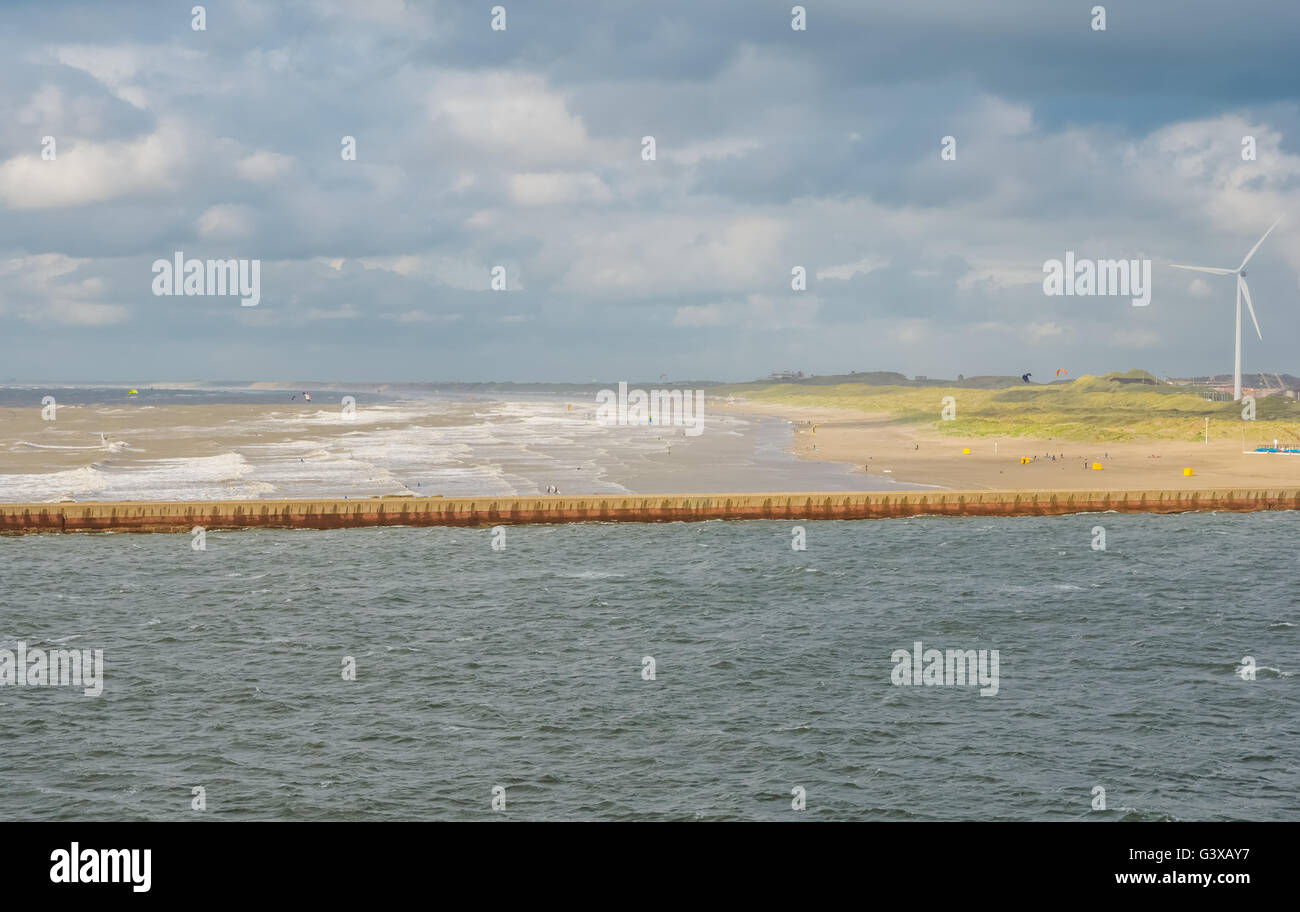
pixel 1242 290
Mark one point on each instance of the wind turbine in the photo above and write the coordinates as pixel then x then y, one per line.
pixel 1242 291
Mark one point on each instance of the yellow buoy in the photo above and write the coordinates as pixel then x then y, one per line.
pixel 1188 472
pixel 133 392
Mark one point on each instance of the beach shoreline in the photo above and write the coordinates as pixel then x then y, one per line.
pixel 164 447
pixel 878 444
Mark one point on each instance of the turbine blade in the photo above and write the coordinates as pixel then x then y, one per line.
pixel 1257 243
pixel 1212 269
pixel 1245 293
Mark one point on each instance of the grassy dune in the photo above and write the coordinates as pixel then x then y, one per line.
pixel 1090 408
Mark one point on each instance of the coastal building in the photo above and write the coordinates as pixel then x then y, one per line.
pixel 1256 385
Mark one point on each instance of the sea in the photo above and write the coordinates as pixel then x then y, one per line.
pixel 676 671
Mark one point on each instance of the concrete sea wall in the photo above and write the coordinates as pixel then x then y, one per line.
pixel 182 516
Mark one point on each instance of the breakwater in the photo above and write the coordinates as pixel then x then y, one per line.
pixel 182 516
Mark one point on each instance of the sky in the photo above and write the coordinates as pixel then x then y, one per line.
pixel 522 148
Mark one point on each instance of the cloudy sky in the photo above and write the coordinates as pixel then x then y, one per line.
pixel 523 149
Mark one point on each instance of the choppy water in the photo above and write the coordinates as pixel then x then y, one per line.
pixel 523 668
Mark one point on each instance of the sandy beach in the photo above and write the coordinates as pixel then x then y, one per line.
pixel 878 445
pixel 156 449
pixel 134 450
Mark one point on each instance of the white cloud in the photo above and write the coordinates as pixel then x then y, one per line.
pixel 119 66
pixel 46 290
pixel 263 166
pixel 1000 275
pixel 912 331
pixel 92 172
pixel 799 311
pixel 672 253
pixel 401 15
pixel 695 153
pixel 46 107
pixel 849 270
pixel 511 116
pixel 226 222
pixel 551 188
pixel 404 264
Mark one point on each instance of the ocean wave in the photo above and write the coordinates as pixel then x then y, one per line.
pixel 114 446
pixel 204 477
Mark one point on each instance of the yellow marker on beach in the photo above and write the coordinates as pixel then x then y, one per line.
pixel 1096 466
pixel 1188 472
pixel 965 451
pixel 1024 459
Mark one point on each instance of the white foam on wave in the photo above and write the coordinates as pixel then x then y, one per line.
pixel 201 478
pixel 113 446
pixel 490 448
pixel 54 446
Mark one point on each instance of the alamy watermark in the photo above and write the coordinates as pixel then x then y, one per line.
pixel 124 866
pixel 179 276
pixel 955 668
pixel 677 408
pixel 1130 278
pixel 53 667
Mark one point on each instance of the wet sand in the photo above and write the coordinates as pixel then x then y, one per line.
pixel 490 448
pixel 73 440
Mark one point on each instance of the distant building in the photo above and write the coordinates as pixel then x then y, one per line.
pixel 1257 385
pixel 786 375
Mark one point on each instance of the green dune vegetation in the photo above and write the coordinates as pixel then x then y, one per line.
pixel 1088 408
